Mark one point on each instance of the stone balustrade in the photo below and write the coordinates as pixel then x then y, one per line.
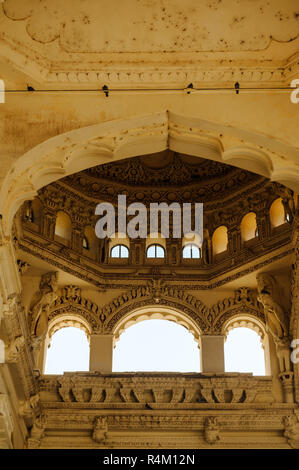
pixel 154 389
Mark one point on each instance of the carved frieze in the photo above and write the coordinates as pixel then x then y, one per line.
pixel 147 390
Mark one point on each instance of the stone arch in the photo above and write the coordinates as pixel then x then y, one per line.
pixel 245 320
pixel 64 320
pixel 72 307
pixel 170 312
pixel 83 148
pixel 145 296
pixel 244 303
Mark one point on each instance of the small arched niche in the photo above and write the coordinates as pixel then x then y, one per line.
pixel 220 240
pixel 277 213
pixel 249 227
pixel 63 228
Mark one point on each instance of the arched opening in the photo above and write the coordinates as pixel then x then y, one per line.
pixel 119 247
pixel 220 240
pixel 155 251
pixel 63 228
pixel 249 227
pixel 153 346
pixel 191 244
pixel 243 352
pixel 68 351
pixel 119 251
pixel 79 153
pixel 277 213
pixel 191 251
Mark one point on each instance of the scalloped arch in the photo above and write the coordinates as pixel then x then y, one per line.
pixel 149 312
pixel 244 320
pixel 79 149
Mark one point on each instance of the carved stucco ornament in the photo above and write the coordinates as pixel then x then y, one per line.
pixel 276 320
pixel 291 432
pixel 39 310
pixel 211 430
pixel 31 407
pixel 37 432
pixel 100 430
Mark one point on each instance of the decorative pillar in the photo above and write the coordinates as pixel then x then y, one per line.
pixel 287 382
pixel 234 239
pixel 48 224
pixel 263 222
pixel 277 326
pixel 212 353
pixel 77 238
pixel 101 353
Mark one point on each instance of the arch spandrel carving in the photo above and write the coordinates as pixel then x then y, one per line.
pixel 243 302
pixel 186 309
pixel 71 303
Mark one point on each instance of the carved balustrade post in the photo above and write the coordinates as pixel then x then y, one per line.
pixel 212 353
pixel 101 353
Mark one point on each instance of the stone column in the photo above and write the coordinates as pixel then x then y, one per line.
pixel 263 223
pixel 212 353
pixel 101 353
pixel 48 223
pixel 234 239
pixel 77 238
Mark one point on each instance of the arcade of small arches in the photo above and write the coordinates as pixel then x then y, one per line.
pixel 66 232
pixel 101 358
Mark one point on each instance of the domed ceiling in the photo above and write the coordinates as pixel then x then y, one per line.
pixel 165 176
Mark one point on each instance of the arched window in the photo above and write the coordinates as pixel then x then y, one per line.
pixel 119 251
pixel 63 227
pixel 119 247
pixel 155 251
pixel 191 251
pixel 152 345
pixel 249 227
pixel 277 213
pixel 220 240
pixel 244 352
pixel 68 351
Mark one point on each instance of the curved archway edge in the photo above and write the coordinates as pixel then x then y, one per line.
pixel 114 140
